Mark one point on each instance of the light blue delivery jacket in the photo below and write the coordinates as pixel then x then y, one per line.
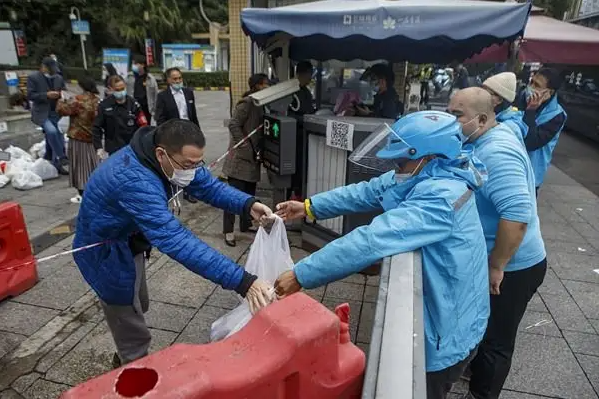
pixel 436 211
pixel 508 194
pixel 512 118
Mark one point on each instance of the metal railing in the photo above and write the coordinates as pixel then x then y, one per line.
pixel 396 364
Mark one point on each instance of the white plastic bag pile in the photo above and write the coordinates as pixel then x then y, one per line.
pixel 269 257
pixel 23 172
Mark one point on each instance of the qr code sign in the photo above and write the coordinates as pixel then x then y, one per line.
pixel 340 135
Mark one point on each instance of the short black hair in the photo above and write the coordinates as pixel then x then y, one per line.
pixel 304 67
pixel 87 83
pixel 554 80
pixel 256 79
pixel 174 134
pixel 139 59
pixel 114 79
pixel 168 72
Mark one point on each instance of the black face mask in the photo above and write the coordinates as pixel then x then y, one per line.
pixel 503 106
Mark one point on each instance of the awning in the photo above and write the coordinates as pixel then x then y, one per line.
pixel 550 41
pixel 419 31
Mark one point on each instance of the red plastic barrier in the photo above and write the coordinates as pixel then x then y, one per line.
pixel 18 270
pixel 293 349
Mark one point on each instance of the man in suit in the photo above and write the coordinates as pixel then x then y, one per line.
pixel 176 102
pixel 43 90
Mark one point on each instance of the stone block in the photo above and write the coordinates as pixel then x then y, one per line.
pixel 179 286
pixel 539 323
pixel 590 365
pixel 44 389
pixel 366 322
pixel 586 344
pixel 546 367
pixel 198 329
pixel 169 317
pixel 59 290
pixel 340 290
pixel 24 319
pixel 586 295
pixel 222 298
pixel 9 341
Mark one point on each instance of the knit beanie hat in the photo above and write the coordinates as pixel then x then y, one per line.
pixel 504 84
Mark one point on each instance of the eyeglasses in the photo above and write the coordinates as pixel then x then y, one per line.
pixel 194 166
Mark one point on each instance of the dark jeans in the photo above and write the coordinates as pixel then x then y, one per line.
pixel 229 218
pixel 424 93
pixel 491 365
pixel 54 140
pixel 439 383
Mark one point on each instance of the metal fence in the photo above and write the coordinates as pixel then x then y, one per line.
pixel 396 363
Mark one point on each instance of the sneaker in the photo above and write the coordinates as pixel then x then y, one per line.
pixel 76 199
pixel 230 240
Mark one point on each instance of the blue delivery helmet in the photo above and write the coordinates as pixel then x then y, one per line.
pixel 413 136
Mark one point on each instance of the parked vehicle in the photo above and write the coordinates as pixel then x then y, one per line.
pixel 580 99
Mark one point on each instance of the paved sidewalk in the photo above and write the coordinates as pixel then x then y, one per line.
pixel 54 336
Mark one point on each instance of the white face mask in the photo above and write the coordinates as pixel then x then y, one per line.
pixel 465 138
pixel 402 177
pixel 180 177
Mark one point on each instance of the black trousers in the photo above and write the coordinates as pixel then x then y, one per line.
pixel 439 383
pixel 424 93
pixel 229 218
pixel 491 365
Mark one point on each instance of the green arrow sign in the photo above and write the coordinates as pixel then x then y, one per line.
pixel 275 129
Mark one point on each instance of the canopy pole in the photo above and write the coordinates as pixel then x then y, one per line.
pixel 319 85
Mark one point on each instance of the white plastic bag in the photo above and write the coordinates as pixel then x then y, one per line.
pixel 26 180
pixel 38 148
pixel 4 180
pixel 269 257
pixel 18 153
pixel 44 169
pixel 16 166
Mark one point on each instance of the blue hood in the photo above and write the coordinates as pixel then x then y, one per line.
pixel 466 167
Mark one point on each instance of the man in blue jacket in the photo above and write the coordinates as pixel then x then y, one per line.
pixel 545 119
pixel 428 203
pixel 126 209
pixel 508 212
pixel 502 88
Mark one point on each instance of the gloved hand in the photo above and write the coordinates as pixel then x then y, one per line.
pixel 262 214
pixel 102 155
pixel 259 295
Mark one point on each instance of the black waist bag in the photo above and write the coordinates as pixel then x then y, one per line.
pixel 139 244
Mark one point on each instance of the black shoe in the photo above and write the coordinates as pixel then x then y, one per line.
pixel 189 198
pixel 116 361
pixel 230 240
pixel 62 171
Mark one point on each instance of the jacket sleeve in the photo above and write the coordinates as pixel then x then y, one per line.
pixel 98 128
pixel 67 108
pixel 193 114
pixel 507 185
pixel 240 116
pixel 539 136
pixel 162 229
pixel 32 92
pixel 160 115
pixel 354 198
pixel 419 221
pixel 212 191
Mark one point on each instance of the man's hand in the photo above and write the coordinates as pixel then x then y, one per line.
pixel 102 155
pixel 495 279
pixel 53 95
pixel 291 210
pixel 259 295
pixel 262 214
pixel 536 99
pixel 287 284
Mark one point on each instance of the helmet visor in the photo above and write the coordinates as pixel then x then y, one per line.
pixel 383 150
